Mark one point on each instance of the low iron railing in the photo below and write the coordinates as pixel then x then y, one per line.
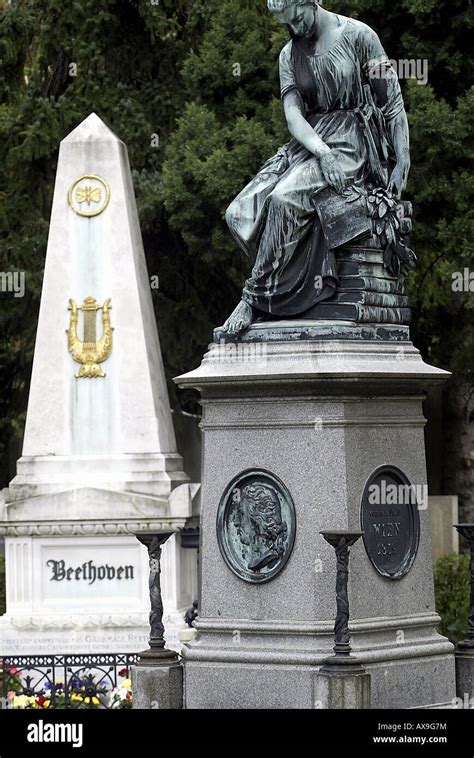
pixel 66 681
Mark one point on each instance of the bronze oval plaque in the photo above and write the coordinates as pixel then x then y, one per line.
pixel 256 525
pixel 390 520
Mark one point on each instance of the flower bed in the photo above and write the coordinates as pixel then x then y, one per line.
pixel 87 682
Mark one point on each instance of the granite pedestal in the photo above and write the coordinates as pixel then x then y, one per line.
pixel 322 414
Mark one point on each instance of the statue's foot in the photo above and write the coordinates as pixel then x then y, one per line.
pixel 240 319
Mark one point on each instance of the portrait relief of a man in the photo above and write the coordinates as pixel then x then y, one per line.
pixel 260 526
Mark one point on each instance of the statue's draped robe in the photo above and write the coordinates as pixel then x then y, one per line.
pixel 274 219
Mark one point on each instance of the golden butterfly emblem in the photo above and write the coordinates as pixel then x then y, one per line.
pixel 88 195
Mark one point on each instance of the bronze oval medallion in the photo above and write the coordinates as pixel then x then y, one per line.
pixel 390 520
pixel 256 525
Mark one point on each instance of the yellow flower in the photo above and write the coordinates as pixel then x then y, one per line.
pixel 23 701
pixel 127 684
pixel 94 700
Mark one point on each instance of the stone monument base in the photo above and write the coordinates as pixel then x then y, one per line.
pixel 465 673
pixel 325 418
pixel 82 634
pixel 304 329
pixel 86 633
pixel 278 668
pixel 77 577
pixel 339 689
pixel 157 687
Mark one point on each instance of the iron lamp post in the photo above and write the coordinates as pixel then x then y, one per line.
pixel 341 541
pixel 157 654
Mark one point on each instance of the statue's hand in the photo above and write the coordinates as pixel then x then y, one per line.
pixel 398 179
pixel 333 172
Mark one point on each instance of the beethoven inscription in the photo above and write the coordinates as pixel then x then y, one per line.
pixel 87 572
pixel 256 525
pixel 390 521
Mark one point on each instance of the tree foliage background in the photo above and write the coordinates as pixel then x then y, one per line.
pixel 203 76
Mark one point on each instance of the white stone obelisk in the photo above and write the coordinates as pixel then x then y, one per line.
pixel 99 459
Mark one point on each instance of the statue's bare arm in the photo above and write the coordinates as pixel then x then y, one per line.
pixel 301 130
pixel 298 126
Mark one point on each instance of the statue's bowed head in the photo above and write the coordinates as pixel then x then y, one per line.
pixel 278 6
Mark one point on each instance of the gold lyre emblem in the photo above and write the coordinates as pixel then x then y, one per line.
pixel 90 352
pixel 88 195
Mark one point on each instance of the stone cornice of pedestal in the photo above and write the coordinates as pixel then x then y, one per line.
pixel 156 475
pixel 75 621
pixel 90 511
pixel 327 367
pixel 290 628
pixel 90 528
pixel 285 635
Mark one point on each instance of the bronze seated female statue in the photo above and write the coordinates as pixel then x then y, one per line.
pixel 333 191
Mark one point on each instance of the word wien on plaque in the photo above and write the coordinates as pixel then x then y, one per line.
pixel 390 520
